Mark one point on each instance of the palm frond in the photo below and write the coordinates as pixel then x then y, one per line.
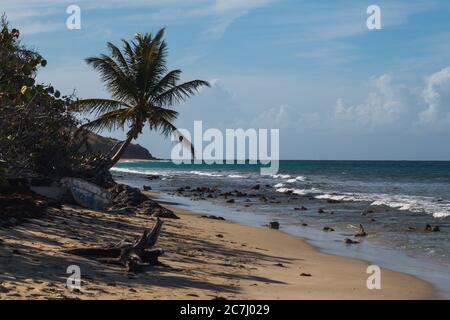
pixel 169 81
pixel 98 106
pixel 117 54
pixel 112 120
pixel 118 83
pixel 167 128
pixel 180 92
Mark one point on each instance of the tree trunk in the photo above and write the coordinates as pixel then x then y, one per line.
pixel 115 158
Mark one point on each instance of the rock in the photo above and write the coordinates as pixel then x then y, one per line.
pixel 256 187
pixel 304 224
pixel 128 200
pixel 274 225
pixel 431 228
pixel 321 210
pixel 279 265
pixel 230 201
pixel 164 213
pixel 147 188
pixel 219 235
pixel 305 274
pixel 213 217
pixel 240 194
pixel 361 232
pixel 328 229
pixel 350 241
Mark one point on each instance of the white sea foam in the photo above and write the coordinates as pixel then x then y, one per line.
pixel 301 192
pixel 281 176
pixel 207 174
pixel 236 176
pixel 139 171
pixel 399 202
pixel 296 179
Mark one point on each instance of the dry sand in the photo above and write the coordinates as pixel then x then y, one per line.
pixel 203 259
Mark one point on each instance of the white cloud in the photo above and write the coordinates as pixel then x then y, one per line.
pixel 385 104
pixel 437 98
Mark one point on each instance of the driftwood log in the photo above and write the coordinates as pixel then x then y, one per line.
pixel 134 256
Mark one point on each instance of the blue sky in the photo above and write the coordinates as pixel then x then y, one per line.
pixel 335 89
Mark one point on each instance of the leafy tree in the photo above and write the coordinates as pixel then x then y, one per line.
pixel 143 90
pixel 36 125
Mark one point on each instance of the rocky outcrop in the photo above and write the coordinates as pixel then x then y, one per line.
pixel 101 144
pixel 128 200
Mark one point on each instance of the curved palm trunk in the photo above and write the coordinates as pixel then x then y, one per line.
pixel 116 157
pixel 132 134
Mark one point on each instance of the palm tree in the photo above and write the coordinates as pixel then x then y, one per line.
pixel 142 90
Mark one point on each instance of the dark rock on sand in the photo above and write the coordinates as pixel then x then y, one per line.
pixel 274 225
pixel 305 274
pixel 164 213
pixel 328 229
pixel 230 201
pixel 147 188
pixel 213 217
pixel 128 200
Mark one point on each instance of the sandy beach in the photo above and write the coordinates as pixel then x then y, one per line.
pixel 203 259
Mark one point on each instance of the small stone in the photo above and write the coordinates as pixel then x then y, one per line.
pixel 431 228
pixel 328 229
pixel 361 232
pixel 350 241
pixel 305 275
pixel 230 201
pixel 256 187
pixel 274 225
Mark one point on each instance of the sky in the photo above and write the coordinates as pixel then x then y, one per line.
pixel 334 88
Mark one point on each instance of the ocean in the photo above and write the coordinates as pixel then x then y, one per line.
pixel 393 200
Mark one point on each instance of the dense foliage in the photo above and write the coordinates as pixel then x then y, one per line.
pixel 36 124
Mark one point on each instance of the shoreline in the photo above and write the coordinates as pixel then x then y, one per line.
pixel 204 259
